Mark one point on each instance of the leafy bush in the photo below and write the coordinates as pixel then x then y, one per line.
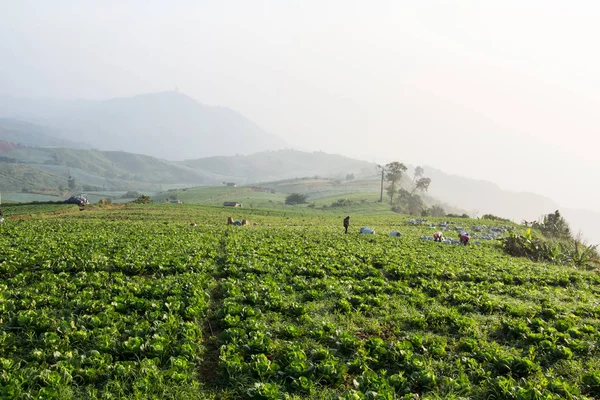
pixel 295 198
pixel 345 202
pixel 568 252
pixel 553 226
pixel 493 217
pixel 457 216
pixel 536 249
pixel 143 199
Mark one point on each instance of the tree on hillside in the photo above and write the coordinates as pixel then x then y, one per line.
pixel 349 177
pixel 295 198
pixel 403 196
pixel 422 184
pixel 393 175
pixel 554 226
pixel 143 199
pixel 408 203
pixel 437 211
pixel 415 205
pixel 419 171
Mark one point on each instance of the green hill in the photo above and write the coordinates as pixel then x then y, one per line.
pixel 106 169
pixel 21 178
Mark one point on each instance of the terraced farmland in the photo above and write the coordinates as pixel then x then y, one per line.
pixel 134 302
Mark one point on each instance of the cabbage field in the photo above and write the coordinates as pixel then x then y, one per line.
pixel 167 301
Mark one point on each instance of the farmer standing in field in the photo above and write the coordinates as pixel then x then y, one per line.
pixel 346 223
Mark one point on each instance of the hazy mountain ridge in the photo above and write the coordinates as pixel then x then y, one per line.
pixel 484 197
pixel 168 125
pixel 283 164
pixel 29 134
pixel 107 169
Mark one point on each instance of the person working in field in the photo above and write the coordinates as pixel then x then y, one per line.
pixel 346 223
pixel 438 236
pixel 230 221
pixel 464 238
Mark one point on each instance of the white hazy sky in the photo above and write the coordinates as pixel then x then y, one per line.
pixel 506 91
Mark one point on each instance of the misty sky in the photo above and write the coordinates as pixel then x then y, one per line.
pixel 506 91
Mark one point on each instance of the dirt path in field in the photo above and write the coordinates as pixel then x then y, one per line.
pixel 208 373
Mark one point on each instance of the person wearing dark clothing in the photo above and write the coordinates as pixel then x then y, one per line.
pixel 346 223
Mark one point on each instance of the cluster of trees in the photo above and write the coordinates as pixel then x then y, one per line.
pixel 143 199
pixel 408 201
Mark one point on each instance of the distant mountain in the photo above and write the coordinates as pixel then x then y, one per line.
pixel 485 197
pixel 28 134
pixel 168 125
pixel 283 164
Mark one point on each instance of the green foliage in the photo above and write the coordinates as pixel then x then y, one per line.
pixel 422 184
pixel 493 217
pixel 568 252
pixel 536 249
pixel 295 198
pixel 16 177
pixel 393 174
pixel 347 202
pixel 133 302
pixel 553 226
pixel 409 203
pixel 143 199
pixel 457 216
